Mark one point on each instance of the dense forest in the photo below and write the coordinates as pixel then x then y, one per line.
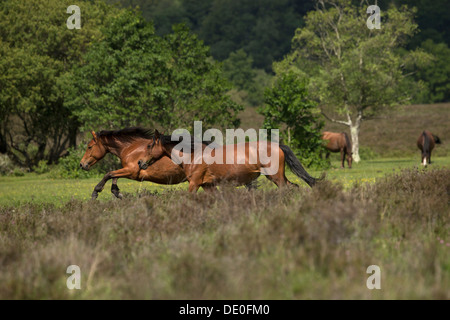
pixel 264 28
pixel 253 34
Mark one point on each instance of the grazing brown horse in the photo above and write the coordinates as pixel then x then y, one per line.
pixel 426 143
pixel 339 142
pixel 207 174
pixel 129 145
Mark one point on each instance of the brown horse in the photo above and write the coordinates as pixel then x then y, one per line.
pixel 246 165
pixel 339 142
pixel 426 143
pixel 129 145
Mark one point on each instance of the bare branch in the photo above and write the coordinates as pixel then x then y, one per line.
pixel 345 123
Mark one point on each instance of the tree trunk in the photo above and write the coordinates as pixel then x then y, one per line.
pixel 289 137
pixel 354 131
pixel 355 128
pixel 73 132
pixel 3 145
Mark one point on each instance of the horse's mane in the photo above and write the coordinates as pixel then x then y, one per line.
pixel 127 134
pixel 187 145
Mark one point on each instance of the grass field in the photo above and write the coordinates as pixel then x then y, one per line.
pixel 37 189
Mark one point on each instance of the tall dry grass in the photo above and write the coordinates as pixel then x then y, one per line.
pixel 234 244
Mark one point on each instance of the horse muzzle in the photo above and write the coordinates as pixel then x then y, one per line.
pixel 85 166
pixel 143 165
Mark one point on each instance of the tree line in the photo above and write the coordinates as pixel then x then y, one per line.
pixel 300 63
pixel 263 30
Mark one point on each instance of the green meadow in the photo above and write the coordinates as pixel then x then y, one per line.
pixel 34 188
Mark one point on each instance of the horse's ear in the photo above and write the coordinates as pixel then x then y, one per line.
pixel 94 135
pixel 157 135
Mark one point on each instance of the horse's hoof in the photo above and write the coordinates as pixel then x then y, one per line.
pixel 94 196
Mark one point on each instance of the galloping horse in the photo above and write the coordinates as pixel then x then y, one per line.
pixel 129 145
pixel 206 174
pixel 426 144
pixel 339 142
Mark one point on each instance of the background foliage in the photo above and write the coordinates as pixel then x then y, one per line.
pixel 141 67
pixel 289 109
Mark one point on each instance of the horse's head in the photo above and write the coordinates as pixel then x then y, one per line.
pixel 155 150
pixel 350 159
pixel 95 152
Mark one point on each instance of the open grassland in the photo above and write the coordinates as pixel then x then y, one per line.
pixel 234 244
pixel 37 189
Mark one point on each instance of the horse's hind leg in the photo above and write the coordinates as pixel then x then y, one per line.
pixel 193 187
pixel 281 181
pixel 280 178
pixel 115 189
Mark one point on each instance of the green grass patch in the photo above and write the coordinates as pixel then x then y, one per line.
pixel 33 188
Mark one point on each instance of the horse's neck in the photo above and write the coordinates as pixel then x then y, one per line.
pixel 114 148
pixel 168 151
pixel 168 148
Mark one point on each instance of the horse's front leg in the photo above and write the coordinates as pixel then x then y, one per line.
pixel 342 159
pixel 122 173
pixel 115 189
pixel 99 187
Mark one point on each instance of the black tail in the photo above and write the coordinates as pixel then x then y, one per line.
pixel 296 167
pixel 349 144
pixel 437 140
pixel 426 143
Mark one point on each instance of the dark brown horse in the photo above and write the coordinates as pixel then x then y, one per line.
pixel 129 145
pixel 339 142
pixel 426 143
pixel 246 163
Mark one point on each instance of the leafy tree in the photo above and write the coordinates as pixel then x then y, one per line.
pixel 37 49
pixel 262 28
pixel 250 83
pixel 436 75
pixel 432 19
pixel 238 69
pixel 355 73
pixel 289 109
pixel 135 77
